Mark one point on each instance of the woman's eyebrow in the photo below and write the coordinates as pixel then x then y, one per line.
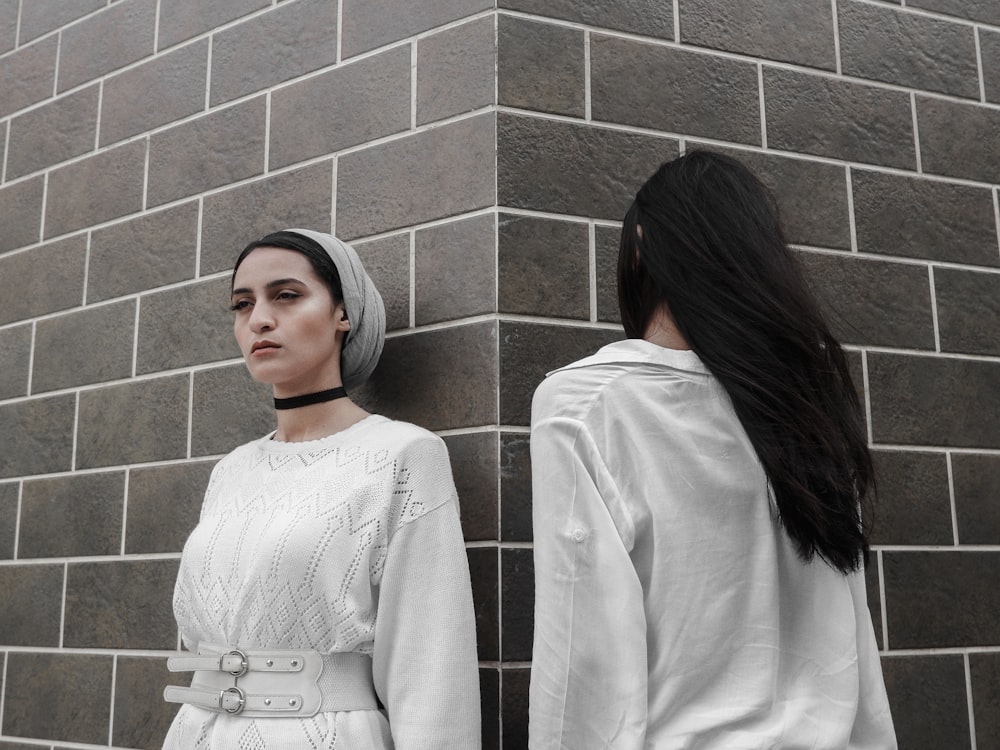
pixel 268 285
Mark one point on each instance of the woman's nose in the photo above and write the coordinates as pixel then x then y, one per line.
pixel 261 318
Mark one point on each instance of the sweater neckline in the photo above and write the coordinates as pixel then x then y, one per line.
pixel 269 445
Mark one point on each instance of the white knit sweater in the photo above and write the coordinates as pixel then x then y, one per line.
pixel 347 543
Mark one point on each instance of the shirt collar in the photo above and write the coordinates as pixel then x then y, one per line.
pixel 640 351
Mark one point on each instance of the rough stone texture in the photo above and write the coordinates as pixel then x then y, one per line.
pixel 367 25
pixel 44 429
pixel 899 215
pixel 958 139
pixel 529 350
pixel 645 17
pixel 872 302
pixel 892 45
pixel 540 66
pixel 221 147
pixel 20 214
pixel 977 490
pixel 934 401
pixel 186 326
pixel 928 700
pixel 133 423
pixel 9 492
pixel 483 569
pixel 674 90
pixel 15 343
pixel 968 306
pixel 62 679
pixel 42 16
pixel 515 487
pixel 300 37
pixel 175 81
pixel 67 347
pixel 53 133
pixel 163 506
pixel 455 70
pixel 142 717
pixel 984 670
pixel 514 706
pixel 183 19
pixel 989 47
pixel 72 516
pixel 142 253
pixel 800 32
pixel 422 177
pixel 840 119
pixel 234 218
pixel 942 599
pixel 387 261
pixel 97 189
pixel 474 467
pixel 606 243
pixel 120 34
pixel 517 575
pixel 986 11
pixel 32 597
pixel 8 28
pixel 29 74
pixel 573 169
pixel 543 267
pixel 229 409
pixel 913 504
pixel 455 270
pixel 121 604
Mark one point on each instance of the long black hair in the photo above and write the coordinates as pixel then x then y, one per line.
pixel 319 258
pixel 703 238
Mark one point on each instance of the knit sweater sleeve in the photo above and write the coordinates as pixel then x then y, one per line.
pixel 424 657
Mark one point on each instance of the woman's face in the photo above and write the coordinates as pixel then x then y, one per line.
pixel 286 323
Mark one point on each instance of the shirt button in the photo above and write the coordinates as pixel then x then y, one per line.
pixel 578 535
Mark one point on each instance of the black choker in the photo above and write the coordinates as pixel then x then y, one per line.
pixel 310 398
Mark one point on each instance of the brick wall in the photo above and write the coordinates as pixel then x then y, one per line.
pixel 479 159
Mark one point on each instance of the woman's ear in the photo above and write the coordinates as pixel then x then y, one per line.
pixel 340 318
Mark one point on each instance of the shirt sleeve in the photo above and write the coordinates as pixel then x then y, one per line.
pixel 424 659
pixel 589 672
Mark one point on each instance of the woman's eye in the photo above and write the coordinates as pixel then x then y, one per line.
pixel 240 305
pixel 288 295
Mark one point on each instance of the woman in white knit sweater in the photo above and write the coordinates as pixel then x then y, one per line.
pixel 324 596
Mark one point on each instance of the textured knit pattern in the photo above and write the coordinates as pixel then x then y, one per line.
pixel 297 547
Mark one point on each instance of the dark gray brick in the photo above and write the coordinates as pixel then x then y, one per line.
pixel 607 241
pixel 540 66
pixel 56 131
pixel 484 571
pixel 489 707
pixel 163 506
pixel 934 401
pixel 42 16
pixel 474 466
pixel 893 45
pixel 183 19
pixel 9 492
pixel 914 503
pixel 86 346
pixel 367 25
pixel 120 34
pixel 32 597
pixel 121 604
pixel 97 189
pixel 517 596
pixel 968 305
pixel 72 516
pixel 44 429
pixel 871 301
pixel 133 423
pixel 8 24
pixel 646 17
pixel 543 267
pixel 340 108
pixel 425 176
pixel 899 215
pixel 29 75
pixel 185 326
pixel 221 147
pixel 515 487
pixel 21 214
pixel 15 343
pixel 989 46
pixel 456 70
pixel 297 38
pixel 674 90
pixel 142 717
pixel 839 119
pixel 799 32
pixel 959 140
pixel 514 705
pixel 977 490
pixel 233 218
pixel 455 270
pixel 229 409
pixel 149 251
pixel 175 81
pixel 986 11
pixel 573 169
pixel 442 379
pixel 984 671
pixel 387 261
pixel 927 697
pixel 42 280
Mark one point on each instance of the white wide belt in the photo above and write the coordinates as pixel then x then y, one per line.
pixel 263 683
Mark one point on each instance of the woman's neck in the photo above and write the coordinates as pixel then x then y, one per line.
pixel 318 420
pixel 662 331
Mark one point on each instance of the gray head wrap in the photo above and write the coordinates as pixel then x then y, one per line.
pixel 365 311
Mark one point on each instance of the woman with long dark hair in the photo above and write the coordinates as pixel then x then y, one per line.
pixel 324 595
pixel 698 495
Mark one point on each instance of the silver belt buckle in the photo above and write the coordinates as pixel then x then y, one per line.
pixel 232 700
pixel 234 662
